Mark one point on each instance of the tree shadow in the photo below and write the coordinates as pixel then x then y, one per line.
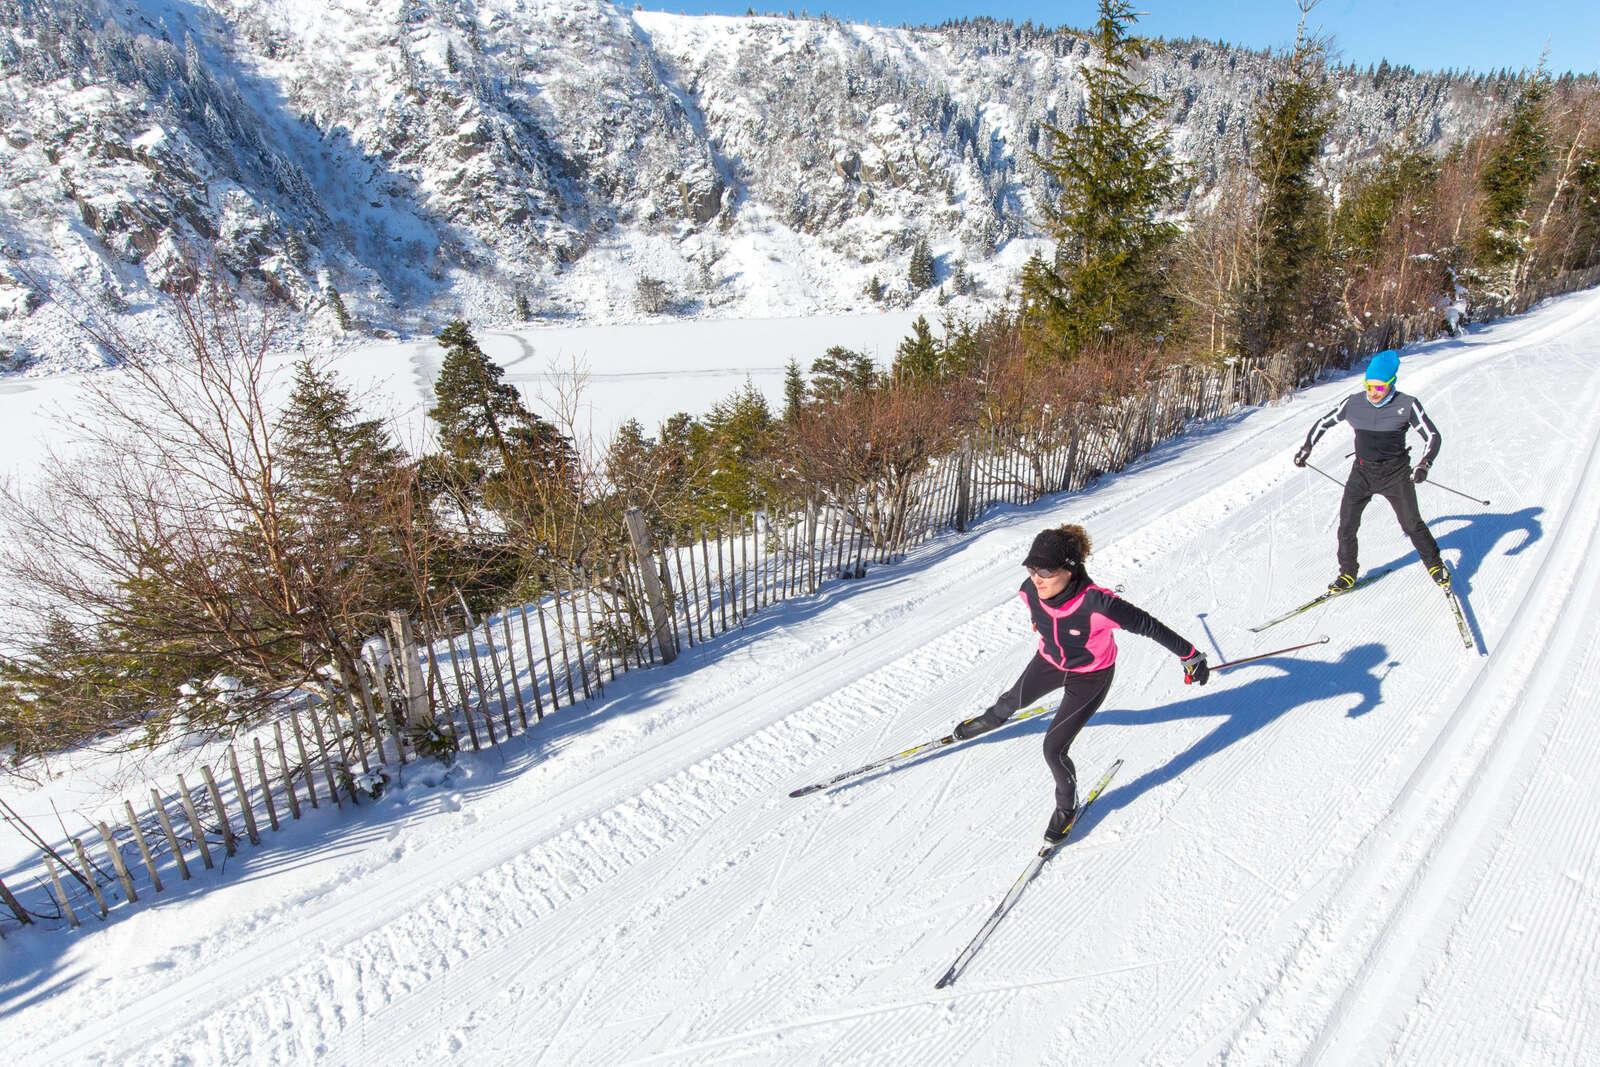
pixel 1246 709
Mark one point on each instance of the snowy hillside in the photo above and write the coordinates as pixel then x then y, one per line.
pixel 411 161
pixel 1381 851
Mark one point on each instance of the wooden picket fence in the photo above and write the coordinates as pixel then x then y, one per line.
pixel 469 683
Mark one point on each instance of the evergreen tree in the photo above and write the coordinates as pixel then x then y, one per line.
pixel 1395 188
pixel 1509 175
pixel 917 359
pixel 1116 176
pixel 839 371
pixel 735 437
pixel 340 470
pixel 517 461
pixel 794 390
pixel 524 308
pixel 919 275
pixel 336 302
pixel 1290 228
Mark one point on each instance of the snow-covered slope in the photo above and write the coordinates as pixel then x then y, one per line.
pixel 1382 851
pixel 413 161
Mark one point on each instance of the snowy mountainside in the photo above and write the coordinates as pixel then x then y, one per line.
pixel 408 161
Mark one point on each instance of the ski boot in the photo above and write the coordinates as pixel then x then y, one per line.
pixel 1440 575
pixel 978 724
pixel 1060 822
pixel 1342 584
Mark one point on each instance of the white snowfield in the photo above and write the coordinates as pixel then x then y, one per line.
pixel 1380 851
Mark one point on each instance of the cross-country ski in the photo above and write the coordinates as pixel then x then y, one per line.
pixel 1029 873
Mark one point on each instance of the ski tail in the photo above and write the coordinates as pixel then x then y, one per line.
pixel 902 756
pixel 1035 864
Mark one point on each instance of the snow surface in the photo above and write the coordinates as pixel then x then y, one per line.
pixel 645 371
pixel 1385 850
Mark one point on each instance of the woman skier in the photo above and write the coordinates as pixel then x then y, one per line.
pixel 1075 620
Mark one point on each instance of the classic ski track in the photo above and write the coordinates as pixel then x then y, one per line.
pixel 591 858
pixel 1393 844
pixel 1557 596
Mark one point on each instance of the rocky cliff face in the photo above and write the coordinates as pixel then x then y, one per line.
pixel 557 158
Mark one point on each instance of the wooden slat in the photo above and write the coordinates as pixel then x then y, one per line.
pixel 549 662
pixel 327 763
pixel 194 822
pixel 511 663
pixel 483 691
pixel 461 689
pixel 117 864
pixel 533 670
pixel 266 786
pixel 230 843
pixel 166 828
pixel 61 894
pixel 89 876
pixel 306 774
pixel 285 772
pixel 144 846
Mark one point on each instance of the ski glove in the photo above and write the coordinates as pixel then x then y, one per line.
pixel 1301 456
pixel 1195 669
pixel 1420 475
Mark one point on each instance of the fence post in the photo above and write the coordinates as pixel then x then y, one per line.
pixel 963 487
pixel 640 535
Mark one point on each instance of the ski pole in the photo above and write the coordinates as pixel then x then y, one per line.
pixel 1326 475
pixel 1262 655
pixel 1457 492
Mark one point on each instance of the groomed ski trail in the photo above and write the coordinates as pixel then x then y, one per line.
pixel 1300 862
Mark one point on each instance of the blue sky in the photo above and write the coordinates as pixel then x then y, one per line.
pixel 1424 34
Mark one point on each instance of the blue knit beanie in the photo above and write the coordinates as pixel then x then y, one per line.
pixel 1385 367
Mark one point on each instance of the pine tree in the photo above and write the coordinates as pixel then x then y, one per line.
pixel 341 471
pixel 919 275
pixel 1116 177
pixel 517 461
pixel 336 302
pixel 794 390
pixel 1290 228
pixel 1508 178
pixel 839 372
pixel 917 359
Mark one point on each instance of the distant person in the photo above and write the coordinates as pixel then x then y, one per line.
pixel 1380 416
pixel 1074 619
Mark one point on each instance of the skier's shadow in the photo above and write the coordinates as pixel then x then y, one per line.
pixel 1244 710
pixel 1471 542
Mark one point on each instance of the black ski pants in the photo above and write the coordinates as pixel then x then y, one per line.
pixel 1392 481
pixel 1082 696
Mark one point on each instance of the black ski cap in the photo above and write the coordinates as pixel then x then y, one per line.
pixel 1051 548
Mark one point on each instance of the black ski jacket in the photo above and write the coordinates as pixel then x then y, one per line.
pixel 1075 626
pixel 1381 431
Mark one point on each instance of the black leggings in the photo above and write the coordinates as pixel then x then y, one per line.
pixel 1392 481
pixel 1083 694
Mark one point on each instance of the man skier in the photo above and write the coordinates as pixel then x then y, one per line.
pixel 1380 417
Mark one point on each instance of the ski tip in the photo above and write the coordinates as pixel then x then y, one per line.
pixel 945 982
pixel 805 790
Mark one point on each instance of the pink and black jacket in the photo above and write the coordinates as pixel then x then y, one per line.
pixel 1075 626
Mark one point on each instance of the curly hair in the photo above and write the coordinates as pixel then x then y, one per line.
pixel 1077 539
